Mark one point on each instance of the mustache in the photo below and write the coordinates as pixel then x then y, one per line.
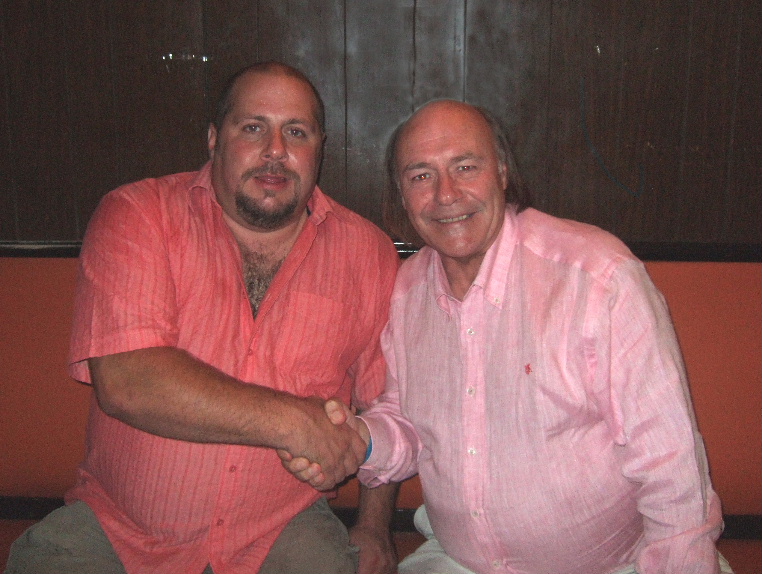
pixel 275 168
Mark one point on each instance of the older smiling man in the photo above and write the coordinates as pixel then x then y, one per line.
pixel 534 379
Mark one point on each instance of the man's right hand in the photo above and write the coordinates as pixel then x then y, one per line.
pixel 328 448
pixel 316 473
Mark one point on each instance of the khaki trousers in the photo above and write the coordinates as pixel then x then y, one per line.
pixel 71 541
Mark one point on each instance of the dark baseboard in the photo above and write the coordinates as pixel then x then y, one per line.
pixel 742 526
pixel 737 526
pixel 27 507
pixel 719 252
pixel 645 251
pixel 43 249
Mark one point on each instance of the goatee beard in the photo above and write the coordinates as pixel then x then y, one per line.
pixel 256 216
pixel 248 209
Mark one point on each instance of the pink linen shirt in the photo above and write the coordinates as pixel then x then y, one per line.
pixel 159 267
pixel 547 413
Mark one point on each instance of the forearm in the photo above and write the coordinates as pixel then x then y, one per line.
pixel 167 392
pixel 372 533
pixel 648 402
pixel 376 506
pixel 690 551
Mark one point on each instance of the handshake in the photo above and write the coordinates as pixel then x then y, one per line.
pixel 333 451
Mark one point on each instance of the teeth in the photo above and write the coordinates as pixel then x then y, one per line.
pixel 453 219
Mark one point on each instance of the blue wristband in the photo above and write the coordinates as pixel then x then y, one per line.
pixel 369 450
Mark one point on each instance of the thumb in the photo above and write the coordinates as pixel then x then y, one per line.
pixel 336 411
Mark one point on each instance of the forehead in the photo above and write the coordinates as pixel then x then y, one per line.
pixel 443 129
pixel 273 94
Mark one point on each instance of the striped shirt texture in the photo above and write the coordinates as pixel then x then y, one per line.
pixel 159 267
pixel 547 412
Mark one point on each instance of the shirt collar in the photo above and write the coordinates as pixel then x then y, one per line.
pixel 493 273
pixel 492 278
pixel 202 183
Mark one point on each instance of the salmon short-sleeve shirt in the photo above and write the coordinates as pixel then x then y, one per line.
pixel 159 267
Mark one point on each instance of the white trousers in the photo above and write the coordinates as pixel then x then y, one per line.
pixel 430 558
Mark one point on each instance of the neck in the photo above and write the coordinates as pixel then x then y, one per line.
pixel 271 244
pixel 461 274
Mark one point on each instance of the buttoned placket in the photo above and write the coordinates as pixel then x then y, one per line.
pixel 475 467
pixel 230 473
pixel 230 470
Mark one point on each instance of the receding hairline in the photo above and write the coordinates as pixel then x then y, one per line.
pixel 270 68
pixel 405 127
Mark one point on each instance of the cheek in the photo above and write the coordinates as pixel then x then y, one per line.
pixel 413 211
pixel 414 202
pixel 305 161
pixel 232 159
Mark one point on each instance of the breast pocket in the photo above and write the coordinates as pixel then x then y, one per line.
pixel 316 343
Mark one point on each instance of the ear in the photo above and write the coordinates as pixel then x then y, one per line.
pixel 211 140
pixel 502 169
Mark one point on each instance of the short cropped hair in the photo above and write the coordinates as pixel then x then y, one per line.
pixel 225 101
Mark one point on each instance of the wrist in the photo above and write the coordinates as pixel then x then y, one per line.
pixel 369 450
pixel 296 421
pixel 364 432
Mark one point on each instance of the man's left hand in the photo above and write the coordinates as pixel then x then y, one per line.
pixel 377 552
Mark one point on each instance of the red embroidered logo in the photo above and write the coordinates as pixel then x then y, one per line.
pixel 528 368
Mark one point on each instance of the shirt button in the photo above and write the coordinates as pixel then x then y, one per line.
pixel 233 468
pixel 475 513
pixel 471 391
pixel 496 564
pixel 471 450
pixel 220 522
pixel 470 331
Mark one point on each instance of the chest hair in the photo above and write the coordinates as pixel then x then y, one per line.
pixel 258 273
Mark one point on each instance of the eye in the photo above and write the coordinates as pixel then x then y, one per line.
pixel 251 128
pixel 297 132
pixel 466 168
pixel 420 177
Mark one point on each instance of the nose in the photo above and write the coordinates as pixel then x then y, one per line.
pixel 447 191
pixel 275 147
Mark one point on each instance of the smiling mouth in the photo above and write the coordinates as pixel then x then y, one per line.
pixel 271 179
pixel 270 174
pixel 454 219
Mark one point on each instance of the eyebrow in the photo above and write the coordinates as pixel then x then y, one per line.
pixel 289 122
pixel 419 165
pixel 456 159
pixel 465 156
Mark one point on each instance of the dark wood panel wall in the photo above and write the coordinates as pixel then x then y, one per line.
pixel 643 118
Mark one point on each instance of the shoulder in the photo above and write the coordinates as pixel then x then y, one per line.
pixel 140 210
pixel 355 232
pixel 585 247
pixel 414 272
pixel 150 193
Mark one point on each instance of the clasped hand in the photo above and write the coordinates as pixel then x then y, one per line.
pixel 326 473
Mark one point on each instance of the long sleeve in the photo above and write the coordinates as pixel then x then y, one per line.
pixel 652 416
pixel 396 444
